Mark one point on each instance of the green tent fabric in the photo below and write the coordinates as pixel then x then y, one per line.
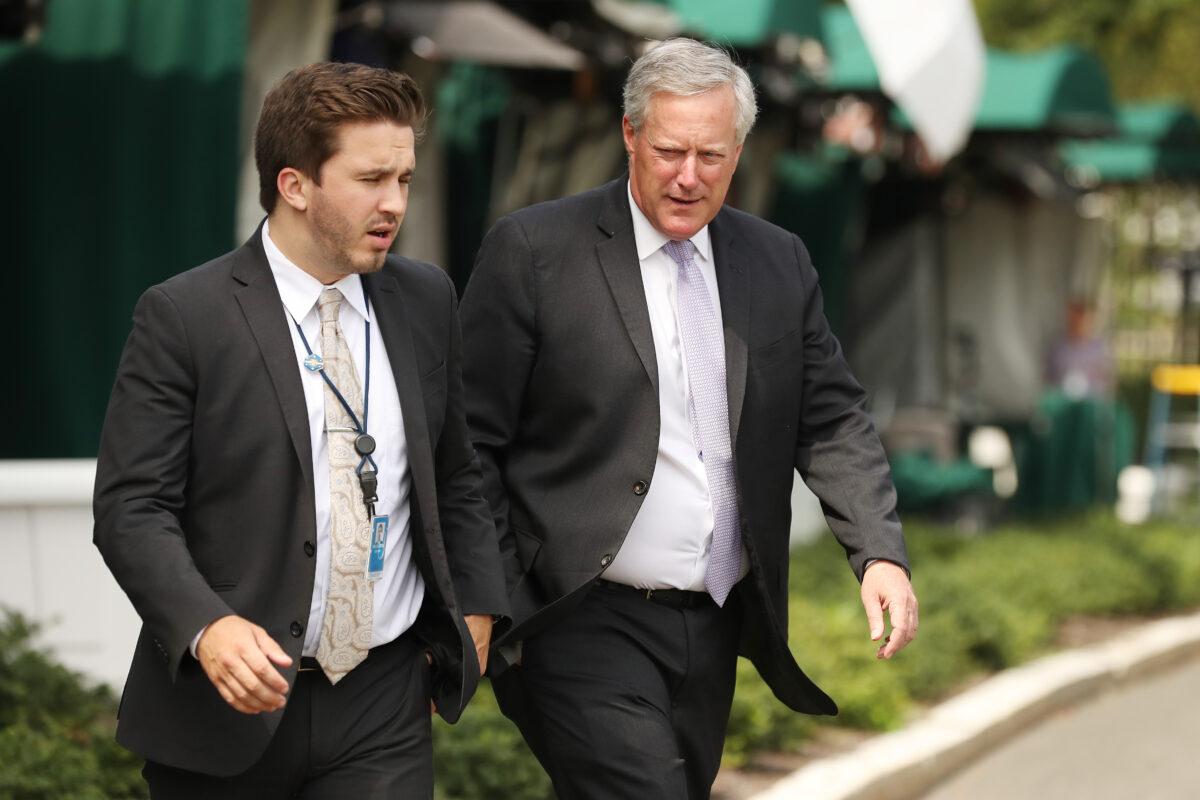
pixel 1162 122
pixel 1061 89
pixel 923 484
pixel 819 196
pixel 469 103
pixel 122 142
pixel 1157 140
pixel 1069 455
pixel 747 22
pixel 851 68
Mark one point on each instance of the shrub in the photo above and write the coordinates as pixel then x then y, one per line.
pixel 56 731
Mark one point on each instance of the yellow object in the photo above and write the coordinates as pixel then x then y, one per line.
pixel 1177 379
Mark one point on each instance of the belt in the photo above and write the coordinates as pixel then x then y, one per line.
pixel 309 664
pixel 672 598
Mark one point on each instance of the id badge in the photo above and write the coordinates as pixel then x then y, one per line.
pixel 379 528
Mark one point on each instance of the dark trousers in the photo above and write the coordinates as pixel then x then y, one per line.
pixel 627 698
pixel 367 737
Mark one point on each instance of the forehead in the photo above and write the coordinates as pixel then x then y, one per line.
pixel 712 114
pixel 373 142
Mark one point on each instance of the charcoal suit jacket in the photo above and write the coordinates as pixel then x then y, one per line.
pixel 204 492
pixel 562 400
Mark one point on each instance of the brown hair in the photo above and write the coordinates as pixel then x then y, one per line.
pixel 301 115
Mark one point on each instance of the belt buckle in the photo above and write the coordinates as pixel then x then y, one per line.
pixel 649 594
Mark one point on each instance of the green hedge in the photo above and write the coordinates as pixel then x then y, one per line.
pixel 986 604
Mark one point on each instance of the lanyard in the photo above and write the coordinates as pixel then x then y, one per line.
pixel 364 443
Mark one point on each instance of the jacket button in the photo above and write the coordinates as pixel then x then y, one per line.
pixel 309 549
pixel 604 562
pixel 297 629
pixel 640 488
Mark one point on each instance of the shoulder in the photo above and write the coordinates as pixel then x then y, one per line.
pixel 418 278
pixel 549 219
pixel 199 290
pixel 751 227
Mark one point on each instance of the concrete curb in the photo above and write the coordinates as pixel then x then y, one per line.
pixel 901 765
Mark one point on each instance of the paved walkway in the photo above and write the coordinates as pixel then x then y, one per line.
pixel 1134 702
pixel 1141 741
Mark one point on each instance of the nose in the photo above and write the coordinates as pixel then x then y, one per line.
pixel 687 177
pixel 394 200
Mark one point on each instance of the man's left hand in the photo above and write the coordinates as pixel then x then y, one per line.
pixel 480 626
pixel 886 587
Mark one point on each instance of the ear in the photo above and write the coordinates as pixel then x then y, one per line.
pixel 628 133
pixel 292 185
pixel 737 154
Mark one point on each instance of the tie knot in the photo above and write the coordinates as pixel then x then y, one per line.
pixel 328 305
pixel 680 251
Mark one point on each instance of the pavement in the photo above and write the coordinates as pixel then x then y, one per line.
pixel 1139 741
pixel 909 763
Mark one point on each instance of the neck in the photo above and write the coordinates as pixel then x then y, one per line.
pixel 294 241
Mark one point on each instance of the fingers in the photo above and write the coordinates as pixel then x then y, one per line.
pixel 270 653
pixel 874 618
pixel 886 587
pixel 481 652
pixel 480 628
pixel 236 656
pixel 902 613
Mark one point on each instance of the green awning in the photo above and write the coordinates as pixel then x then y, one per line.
pixel 1063 89
pixel 1159 122
pixel 851 67
pixel 1157 140
pixel 747 22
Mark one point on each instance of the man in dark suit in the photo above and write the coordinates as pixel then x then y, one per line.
pixel 286 488
pixel 645 369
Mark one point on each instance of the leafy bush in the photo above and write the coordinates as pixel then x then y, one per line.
pixel 56 731
pixel 484 756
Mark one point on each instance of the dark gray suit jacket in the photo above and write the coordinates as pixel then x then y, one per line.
pixel 562 400
pixel 204 492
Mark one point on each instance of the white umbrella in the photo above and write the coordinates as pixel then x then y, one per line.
pixel 930 57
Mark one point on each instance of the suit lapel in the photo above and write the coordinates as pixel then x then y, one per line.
pixel 261 305
pixel 394 328
pixel 622 269
pixel 735 315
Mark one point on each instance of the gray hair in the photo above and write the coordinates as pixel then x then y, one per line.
pixel 683 66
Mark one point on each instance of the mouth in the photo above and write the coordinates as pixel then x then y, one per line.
pixel 382 235
pixel 682 201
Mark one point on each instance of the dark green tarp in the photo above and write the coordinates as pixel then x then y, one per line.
pixel 1155 140
pixel 121 136
pixel 1061 89
pixel 748 23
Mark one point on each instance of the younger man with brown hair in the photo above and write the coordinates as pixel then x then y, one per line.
pixel 285 487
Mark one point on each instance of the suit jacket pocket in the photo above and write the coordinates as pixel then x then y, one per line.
pixel 528 546
pixel 785 348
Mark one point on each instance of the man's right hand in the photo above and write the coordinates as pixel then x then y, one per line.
pixel 240 659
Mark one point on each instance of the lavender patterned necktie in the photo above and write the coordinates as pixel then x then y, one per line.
pixel 708 409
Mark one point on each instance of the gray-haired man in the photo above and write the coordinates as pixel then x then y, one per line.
pixel 645 369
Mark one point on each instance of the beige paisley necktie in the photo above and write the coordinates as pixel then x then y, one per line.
pixel 349 602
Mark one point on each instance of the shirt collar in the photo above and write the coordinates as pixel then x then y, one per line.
pixel 649 239
pixel 298 290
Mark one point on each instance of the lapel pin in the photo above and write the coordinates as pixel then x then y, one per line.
pixel 313 363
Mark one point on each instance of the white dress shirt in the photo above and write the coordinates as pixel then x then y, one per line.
pixel 668 543
pixel 400 589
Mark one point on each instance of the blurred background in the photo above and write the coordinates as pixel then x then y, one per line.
pixel 1018 294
